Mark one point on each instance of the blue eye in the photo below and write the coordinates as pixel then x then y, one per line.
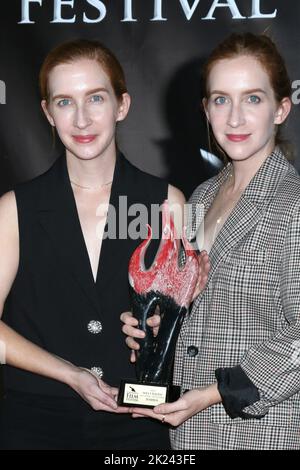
pixel 63 102
pixel 254 99
pixel 96 99
pixel 220 100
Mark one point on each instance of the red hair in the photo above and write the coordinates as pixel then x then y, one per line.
pixel 71 51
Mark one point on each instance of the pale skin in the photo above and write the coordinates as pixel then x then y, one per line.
pixel 244 114
pixel 81 103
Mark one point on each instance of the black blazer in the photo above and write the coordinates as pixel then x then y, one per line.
pixel 54 301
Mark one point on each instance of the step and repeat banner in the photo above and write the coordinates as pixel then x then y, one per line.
pixel 161 45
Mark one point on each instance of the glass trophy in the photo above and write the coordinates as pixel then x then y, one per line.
pixel 168 285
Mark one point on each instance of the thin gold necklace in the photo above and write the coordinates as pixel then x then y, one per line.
pixel 90 187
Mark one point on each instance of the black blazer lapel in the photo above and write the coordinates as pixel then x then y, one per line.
pixel 116 250
pixel 59 218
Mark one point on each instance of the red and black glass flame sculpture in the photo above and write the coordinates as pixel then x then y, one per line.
pixel 168 284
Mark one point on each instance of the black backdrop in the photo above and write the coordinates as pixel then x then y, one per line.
pixel 164 131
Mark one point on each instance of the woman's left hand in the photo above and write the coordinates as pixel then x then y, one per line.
pixel 188 405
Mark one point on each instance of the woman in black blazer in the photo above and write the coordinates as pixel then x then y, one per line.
pixel 63 274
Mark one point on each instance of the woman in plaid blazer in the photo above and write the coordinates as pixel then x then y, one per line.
pixel 238 355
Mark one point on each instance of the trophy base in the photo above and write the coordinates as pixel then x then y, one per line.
pixel 146 394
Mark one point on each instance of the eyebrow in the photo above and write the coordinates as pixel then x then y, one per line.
pixel 89 92
pixel 246 92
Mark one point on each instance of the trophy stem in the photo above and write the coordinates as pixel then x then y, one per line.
pixel 155 357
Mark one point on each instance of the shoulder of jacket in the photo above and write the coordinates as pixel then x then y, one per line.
pixel 288 193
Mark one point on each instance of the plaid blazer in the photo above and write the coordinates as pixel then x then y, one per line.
pixel 248 314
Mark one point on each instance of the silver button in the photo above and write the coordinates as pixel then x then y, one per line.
pixel 98 371
pixel 94 327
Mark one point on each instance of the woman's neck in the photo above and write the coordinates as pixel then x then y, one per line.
pixel 93 173
pixel 244 171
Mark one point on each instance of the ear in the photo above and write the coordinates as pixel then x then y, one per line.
pixel 47 113
pixel 124 106
pixel 283 111
pixel 204 104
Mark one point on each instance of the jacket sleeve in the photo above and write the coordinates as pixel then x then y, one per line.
pixel 269 372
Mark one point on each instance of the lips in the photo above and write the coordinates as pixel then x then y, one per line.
pixel 84 139
pixel 237 137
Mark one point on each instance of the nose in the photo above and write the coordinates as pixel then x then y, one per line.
pixel 82 118
pixel 236 116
